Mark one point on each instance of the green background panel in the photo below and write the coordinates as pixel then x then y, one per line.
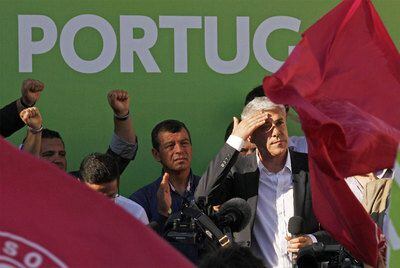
pixel 75 104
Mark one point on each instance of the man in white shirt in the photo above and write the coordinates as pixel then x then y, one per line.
pixel 274 181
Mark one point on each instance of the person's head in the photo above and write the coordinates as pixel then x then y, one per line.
pixel 100 172
pixel 248 147
pixel 272 137
pixel 254 93
pixel 172 145
pixel 258 92
pixel 53 149
pixel 231 257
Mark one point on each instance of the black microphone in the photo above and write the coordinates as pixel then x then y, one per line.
pixel 235 213
pixel 295 228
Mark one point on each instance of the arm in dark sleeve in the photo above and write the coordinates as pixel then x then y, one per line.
pixel 216 183
pixel 10 121
pixel 123 152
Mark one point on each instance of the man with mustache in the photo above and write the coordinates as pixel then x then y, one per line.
pixel 172 147
pixel 274 181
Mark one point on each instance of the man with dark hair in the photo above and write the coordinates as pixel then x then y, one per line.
pixel 48 144
pixel 172 147
pixel 100 172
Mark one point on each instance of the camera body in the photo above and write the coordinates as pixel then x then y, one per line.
pixel 193 231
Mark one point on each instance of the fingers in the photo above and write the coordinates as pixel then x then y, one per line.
pixel 29 113
pixel 295 244
pixel 118 94
pixel 164 185
pixel 32 85
pixel 247 126
pixel 31 117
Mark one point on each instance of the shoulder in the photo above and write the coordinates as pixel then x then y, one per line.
pixel 147 190
pixel 245 164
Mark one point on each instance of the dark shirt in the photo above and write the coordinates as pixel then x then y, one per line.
pixel 10 121
pixel 147 197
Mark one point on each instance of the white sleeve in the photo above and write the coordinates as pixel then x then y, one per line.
pixel 235 142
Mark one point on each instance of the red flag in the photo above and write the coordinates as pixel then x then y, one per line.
pixel 49 219
pixel 343 78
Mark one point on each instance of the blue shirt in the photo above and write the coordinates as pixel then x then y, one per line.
pixel 147 197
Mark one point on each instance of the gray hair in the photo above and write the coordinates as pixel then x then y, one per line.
pixel 260 104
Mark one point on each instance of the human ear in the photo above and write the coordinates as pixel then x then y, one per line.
pixel 156 154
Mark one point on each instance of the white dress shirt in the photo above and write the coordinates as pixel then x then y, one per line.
pixel 274 209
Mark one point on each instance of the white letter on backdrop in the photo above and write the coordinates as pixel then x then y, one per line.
pixel 261 36
pixel 67 43
pixel 180 24
pixel 27 47
pixel 141 46
pixel 242 43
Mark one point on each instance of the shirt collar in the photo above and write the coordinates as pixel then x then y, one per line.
pixel 288 163
pixel 189 185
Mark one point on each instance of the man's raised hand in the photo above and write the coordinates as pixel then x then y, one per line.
pixel 31 117
pixel 30 91
pixel 164 200
pixel 119 102
pixel 246 127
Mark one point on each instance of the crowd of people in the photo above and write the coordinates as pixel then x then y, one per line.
pixel 259 163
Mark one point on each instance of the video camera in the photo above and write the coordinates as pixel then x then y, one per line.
pixel 197 229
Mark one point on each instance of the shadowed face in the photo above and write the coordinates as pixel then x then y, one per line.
pixel 53 150
pixel 272 137
pixel 109 189
pixel 175 150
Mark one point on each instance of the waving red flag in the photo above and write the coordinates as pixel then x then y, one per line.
pixel 49 219
pixel 343 79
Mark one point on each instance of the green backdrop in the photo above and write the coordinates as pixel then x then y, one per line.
pixel 75 104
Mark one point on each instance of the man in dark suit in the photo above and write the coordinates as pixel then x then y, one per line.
pixel 274 181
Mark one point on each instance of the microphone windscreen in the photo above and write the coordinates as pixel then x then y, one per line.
pixel 240 208
pixel 295 226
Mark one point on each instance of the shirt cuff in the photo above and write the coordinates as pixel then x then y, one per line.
pixel 313 238
pixel 235 142
pixel 123 148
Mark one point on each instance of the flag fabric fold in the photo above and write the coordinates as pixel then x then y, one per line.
pixel 343 79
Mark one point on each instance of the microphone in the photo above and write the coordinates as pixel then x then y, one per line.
pixel 235 213
pixel 295 228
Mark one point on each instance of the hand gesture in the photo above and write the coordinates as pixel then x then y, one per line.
pixel 31 117
pixel 30 91
pixel 296 243
pixel 164 200
pixel 119 102
pixel 247 126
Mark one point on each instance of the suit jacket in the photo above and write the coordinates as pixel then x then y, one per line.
pixel 232 175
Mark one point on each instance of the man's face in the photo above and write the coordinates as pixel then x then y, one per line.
pixel 272 137
pixel 175 151
pixel 53 151
pixel 109 189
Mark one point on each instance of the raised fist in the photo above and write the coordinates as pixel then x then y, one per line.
pixel 30 91
pixel 31 117
pixel 119 102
